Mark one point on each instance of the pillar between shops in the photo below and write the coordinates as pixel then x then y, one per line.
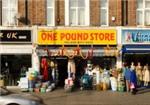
pixel 35 60
pixel 119 58
pixel 119 62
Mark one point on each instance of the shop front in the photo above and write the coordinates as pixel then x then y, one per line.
pixel 70 50
pixel 136 46
pixel 16 54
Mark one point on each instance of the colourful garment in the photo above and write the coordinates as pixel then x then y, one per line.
pixel 139 72
pixel 146 77
pixel 71 68
pixel 133 78
pixel 127 73
pixel 45 69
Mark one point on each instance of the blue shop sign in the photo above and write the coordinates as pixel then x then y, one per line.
pixel 136 36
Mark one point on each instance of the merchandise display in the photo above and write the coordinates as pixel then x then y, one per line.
pixel 86 82
pixel 69 84
pixel 93 78
pixel 113 83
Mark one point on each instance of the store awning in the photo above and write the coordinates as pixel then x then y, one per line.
pixel 97 51
pixel 136 49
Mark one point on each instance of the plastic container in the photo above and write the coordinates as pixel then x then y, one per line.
pixel 31 84
pixel 43 90
pixel 1 83
pixel 37 90
pixel 35 74
pixel 37 85
pixel 45 85
pixel 121 88
pixel 104 86
pixel 31 89
pixel 113 82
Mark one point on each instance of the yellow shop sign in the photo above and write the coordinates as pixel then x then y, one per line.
pixel 77 37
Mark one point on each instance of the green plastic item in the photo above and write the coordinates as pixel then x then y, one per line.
pixel 43 90
pixel 121 88
pixel 35 74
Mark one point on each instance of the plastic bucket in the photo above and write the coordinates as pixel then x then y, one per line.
pixel 43 90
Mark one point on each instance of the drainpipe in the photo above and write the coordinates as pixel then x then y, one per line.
pixel 26 12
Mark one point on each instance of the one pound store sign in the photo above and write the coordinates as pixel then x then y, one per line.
pixel 77 37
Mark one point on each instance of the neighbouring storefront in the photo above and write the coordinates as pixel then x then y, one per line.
pixel 16 53
pixel 68 48
pixel 136 46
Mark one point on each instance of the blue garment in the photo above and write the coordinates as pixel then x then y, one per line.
pixel 133 78
pixel 127 73
pixel 124 70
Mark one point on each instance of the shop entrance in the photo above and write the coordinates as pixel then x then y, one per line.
pixel 134 57
pixel 62 63
pixel 11 66
pixel 62 66
pixel 62 70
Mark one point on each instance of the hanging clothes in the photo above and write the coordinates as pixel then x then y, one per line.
pixel 71 67
pixel 133 78
pixel 44 65
pixel 139 72
pixel 146 76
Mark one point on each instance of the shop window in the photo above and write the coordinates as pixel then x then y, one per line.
pixel 50 12
pixel 12 65
pixel 143 12
pixel 9 12
pixel 77 12
pixel 104 12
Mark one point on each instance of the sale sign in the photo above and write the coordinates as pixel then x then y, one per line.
pixel 77 37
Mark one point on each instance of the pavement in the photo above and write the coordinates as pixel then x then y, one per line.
pixel 93 97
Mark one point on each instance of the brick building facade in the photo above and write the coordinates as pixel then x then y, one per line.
pixel 34 12
pixel 98 21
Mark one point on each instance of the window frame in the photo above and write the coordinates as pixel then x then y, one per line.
pixel 87 14
pixel 107 13
pixel 8 8
pixel 53 8
pixel 143 10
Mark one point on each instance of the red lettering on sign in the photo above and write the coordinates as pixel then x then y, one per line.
pixel 43 36
pixel 49 36
pixel 101 36
pixel 107 36
pixel 112 36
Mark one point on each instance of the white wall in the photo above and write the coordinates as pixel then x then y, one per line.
pixel 15 49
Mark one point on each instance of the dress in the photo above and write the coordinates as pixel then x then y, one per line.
pixel 133 78
pixel 44 68
pixel 139 72
pixel 146 77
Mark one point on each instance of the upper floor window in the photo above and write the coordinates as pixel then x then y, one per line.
pixel 143 12
pixel 50 12
pixel 9 12
pixel 77 12
pixel 104 12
